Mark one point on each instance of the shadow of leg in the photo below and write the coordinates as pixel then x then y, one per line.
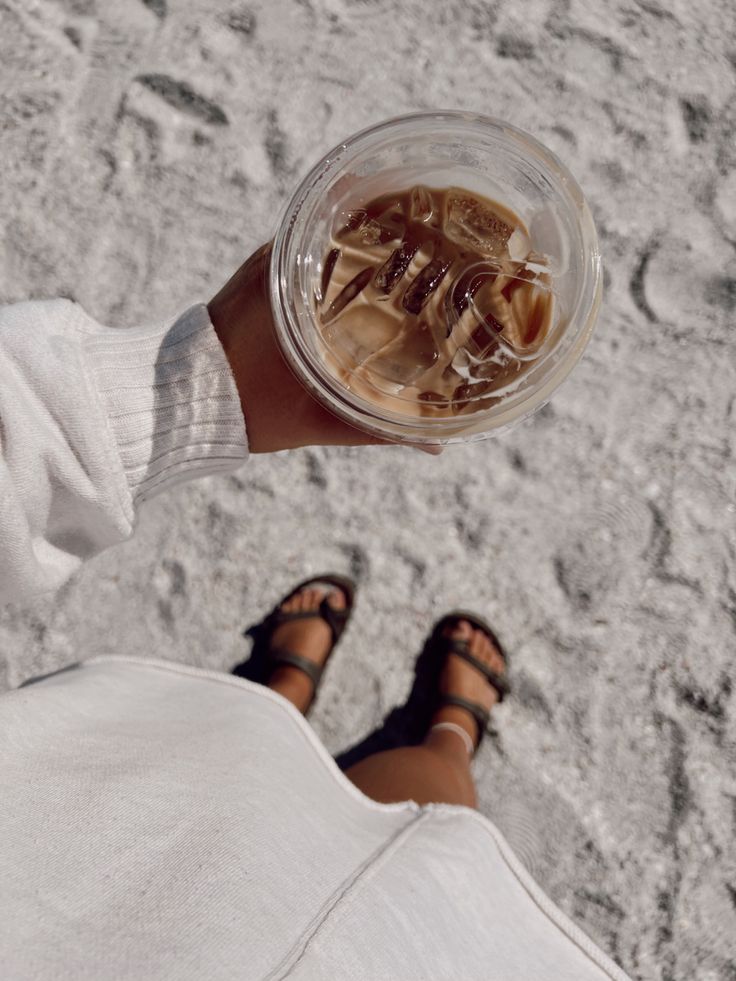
pixel 256 667
pixel 407 724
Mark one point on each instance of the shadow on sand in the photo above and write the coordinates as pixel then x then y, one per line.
pixel 406 725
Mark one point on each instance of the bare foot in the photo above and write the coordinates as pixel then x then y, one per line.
pixel 460 678
pixel 310 638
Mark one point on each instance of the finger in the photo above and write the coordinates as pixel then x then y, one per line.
pixel 434 449
pixel 334 430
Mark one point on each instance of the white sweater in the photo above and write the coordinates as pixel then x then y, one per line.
pixel 162 822
pixel 95 420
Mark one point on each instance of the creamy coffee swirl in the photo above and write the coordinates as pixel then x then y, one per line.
pixel 432 300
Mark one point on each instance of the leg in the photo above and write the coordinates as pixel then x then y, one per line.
pixel 438 771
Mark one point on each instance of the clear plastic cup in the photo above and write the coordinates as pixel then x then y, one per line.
pixel 439 149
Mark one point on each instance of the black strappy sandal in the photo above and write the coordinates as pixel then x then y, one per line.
pixel 448 645
pixel 336 620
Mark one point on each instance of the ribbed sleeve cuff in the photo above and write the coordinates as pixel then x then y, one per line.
pixel 171 400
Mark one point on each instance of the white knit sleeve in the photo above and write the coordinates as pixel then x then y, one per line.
pixel 95 420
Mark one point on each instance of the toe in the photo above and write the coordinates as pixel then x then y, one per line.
pixel 497 662
pixel 311 599
pixel 290 605
pixel 495 658
pixel 337 599
pixel 480 646
pixel 460 630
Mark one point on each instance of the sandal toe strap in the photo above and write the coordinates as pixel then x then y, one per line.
pixel 281 616
pixel 462 649
pixel 335 619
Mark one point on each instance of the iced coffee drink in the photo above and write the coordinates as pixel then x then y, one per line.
pixel 432 300
pixel 435 278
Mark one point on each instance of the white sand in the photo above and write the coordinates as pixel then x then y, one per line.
pixel 599 536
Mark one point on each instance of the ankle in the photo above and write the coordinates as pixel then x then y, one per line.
pixel 451 728
pixel 293 685
pixel 456 738
pixel 458 717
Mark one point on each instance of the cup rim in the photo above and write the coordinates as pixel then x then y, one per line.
pixel 373 417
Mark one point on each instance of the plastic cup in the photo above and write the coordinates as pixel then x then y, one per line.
pixel 439 149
